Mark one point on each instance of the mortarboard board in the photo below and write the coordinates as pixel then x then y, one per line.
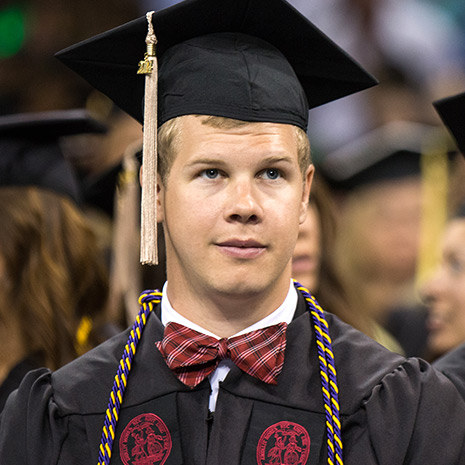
pixel 99 191
pixel 389 152
pixel 452 112
pixel 244 65
pixel 253 60
pixel 30 150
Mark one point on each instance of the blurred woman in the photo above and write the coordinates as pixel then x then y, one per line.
pixel 313 266
pixel 53 277
pixel 51 281
pixel 444 292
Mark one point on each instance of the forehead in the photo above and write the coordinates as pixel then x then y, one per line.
pixel 211 133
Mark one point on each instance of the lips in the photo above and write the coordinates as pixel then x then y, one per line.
pixel 435 323
pixel 241 248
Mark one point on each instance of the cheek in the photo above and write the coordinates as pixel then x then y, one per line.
pixel 454 333
pixel 187 214
pixel 457 293
pixel 453 288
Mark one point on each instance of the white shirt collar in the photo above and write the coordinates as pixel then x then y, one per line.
pixel 284 313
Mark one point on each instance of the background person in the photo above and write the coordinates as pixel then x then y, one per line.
pixel 451 111
pixel 444 292
pixel 313 265
pixel 54 279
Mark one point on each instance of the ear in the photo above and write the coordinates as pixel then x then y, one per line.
pixel 160 200
pixel 306 193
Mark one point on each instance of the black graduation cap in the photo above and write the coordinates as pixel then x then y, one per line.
pixel 452 112
pixel 241 74
pixel 30 154
pixel 389 152
pixel 252 60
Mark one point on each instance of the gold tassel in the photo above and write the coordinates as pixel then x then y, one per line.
pixel 149 67
pixel 82 335
pixel 435 185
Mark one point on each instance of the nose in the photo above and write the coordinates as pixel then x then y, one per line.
pixel 431 290
pixel 243 204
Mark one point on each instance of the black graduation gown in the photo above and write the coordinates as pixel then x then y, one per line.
pixel 16 375
pixel 452 365
pixel 394 411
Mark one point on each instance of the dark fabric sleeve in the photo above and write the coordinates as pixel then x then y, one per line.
pixel 31 429
pixel 413 416
pixel 453 366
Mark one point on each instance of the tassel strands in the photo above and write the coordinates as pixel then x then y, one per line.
pixel 149 67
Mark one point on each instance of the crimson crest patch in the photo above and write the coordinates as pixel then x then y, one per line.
pixel 284 443
pixel 146 440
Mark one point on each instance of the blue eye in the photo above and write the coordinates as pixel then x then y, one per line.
pixel 210 173
pixel 272 173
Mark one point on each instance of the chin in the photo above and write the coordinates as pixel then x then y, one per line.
pixel 243 285
pixel 440 347
pixel 237 289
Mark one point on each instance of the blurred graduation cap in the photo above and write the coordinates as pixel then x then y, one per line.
pixel 389 152
pixel 452 112
pixel 30 150
pixel 99 191
pixel 252 60
pixel 394 152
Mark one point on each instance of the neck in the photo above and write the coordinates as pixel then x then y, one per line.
pixel 225 314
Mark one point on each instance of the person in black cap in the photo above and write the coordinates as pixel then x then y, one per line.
pixel 443 290
pixel 54 284
pixel 252 374
pixel 452 112
pixel 379 180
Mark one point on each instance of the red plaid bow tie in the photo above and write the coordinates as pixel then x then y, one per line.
pixel 193 356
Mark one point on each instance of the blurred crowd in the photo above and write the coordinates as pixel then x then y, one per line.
pixel 384 242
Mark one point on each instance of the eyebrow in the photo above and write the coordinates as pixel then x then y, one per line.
pixel 206 161
pixel 271 159
pixel 277 159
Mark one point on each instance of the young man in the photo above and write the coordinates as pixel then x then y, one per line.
pixel 253 381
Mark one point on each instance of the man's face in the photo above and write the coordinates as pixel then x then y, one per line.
pixel 231 207
pixel 445 292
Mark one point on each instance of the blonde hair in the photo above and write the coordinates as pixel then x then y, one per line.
pixel 168 141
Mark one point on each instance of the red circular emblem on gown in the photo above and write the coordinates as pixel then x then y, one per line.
pixel 145 441
pixel 284 443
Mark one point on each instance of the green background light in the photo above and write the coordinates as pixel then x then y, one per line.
pixel 11 31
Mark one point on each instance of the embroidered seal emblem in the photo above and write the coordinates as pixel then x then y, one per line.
pixel 145 441
pixel 284 443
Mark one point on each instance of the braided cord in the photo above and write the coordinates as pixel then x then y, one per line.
pixel 146 301
pixel 328 377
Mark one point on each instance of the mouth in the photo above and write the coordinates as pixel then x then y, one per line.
pixel 435 323
pixel 242 249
